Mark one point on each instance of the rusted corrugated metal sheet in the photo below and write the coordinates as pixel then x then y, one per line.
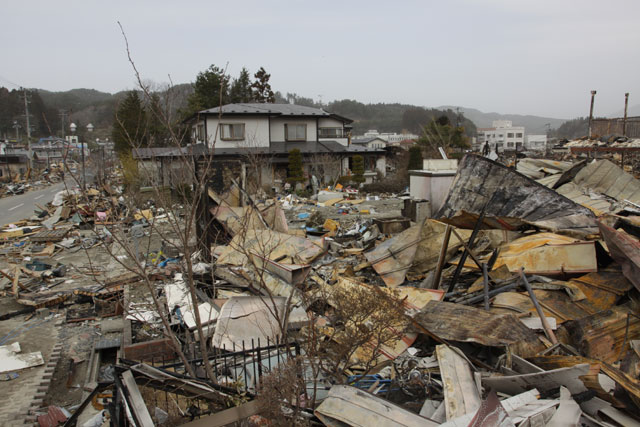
pixel 456 322
pixel 53 418
pixel 556 304
pixel 416 249
pixel 601 335
pixel 548 253
pixel 511 200
pixel 578 298
pixel 625 250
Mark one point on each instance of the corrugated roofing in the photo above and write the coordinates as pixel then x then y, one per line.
pixel 607 178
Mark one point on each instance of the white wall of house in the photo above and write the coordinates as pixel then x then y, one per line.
pixel 329 122
pixel 277 127
pixel 256 132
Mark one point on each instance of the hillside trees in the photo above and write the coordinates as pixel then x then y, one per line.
pixel 415 158
pixel 12 111
pixel 570 129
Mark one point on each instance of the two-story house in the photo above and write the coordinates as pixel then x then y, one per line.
pixel 262 135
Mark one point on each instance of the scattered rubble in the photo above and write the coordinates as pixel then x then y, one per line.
pixel 515 304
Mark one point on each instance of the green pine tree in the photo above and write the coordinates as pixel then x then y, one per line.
pixel 211 90
pixel 261 88
pixel 130 124
pixel 241 88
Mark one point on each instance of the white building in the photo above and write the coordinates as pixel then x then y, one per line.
pixel 390 138
pixel 503 136
pixel 535 142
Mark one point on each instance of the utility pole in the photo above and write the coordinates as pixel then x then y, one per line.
pixel 16 126
pixel 546 143
pixel 62 115
pixel 26 112
pixel 626 105
pixel 593 95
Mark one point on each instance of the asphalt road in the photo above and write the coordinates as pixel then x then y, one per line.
pixel 21 206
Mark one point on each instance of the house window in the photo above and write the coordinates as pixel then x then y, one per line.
pixel 232 131
pixel 510 135
pixel 295 132
pixel 330 133
pixel 200 133
pixel 519 135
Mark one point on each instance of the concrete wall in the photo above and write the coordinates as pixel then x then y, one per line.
pixel 440 164
pixel 433 187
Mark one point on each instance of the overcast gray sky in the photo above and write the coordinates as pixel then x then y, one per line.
pixel 537 57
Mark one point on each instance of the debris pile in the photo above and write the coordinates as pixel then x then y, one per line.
pixel 515 304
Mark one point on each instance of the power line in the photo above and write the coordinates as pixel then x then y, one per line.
pixel 10 82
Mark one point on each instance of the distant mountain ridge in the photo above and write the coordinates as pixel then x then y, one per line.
pixel 84 105
pixel 532 124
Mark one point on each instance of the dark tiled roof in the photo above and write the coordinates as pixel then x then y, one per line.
pixel 273 110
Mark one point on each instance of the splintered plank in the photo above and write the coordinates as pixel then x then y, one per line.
pixel 460 390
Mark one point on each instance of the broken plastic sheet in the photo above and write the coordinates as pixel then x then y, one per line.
pixel 178 295
pixel 12 358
